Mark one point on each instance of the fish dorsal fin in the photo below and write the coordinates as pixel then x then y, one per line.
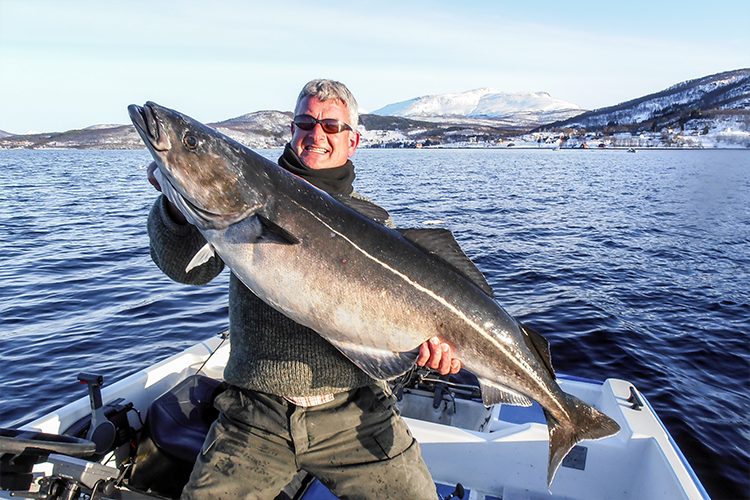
pixel 441 245
pixel 380 364
pixel 364 207
pixel 540 346
pixel 201 257
pixel 493 393
pixel 278 233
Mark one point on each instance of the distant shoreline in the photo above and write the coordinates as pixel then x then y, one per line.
pixel 433 148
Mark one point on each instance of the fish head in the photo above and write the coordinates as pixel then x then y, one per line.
pixel 202 171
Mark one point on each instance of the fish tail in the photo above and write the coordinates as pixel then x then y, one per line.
pixel 585 422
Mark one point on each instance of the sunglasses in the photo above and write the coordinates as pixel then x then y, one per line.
pixel 329 125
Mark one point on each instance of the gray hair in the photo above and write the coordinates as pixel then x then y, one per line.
pixel 330 89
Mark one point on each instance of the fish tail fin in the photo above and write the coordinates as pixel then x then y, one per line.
pixel 585 422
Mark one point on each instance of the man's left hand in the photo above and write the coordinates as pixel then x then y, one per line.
pixel 438 356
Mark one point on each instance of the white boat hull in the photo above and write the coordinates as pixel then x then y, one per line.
pixel 500 452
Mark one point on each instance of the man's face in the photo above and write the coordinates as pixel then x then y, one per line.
pixel 317 149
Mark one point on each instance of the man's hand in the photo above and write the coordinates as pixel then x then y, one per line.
pixel 438 356
pixel 151 178
pixel 174 212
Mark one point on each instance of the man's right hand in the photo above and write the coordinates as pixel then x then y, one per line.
pixel 174 212
pixel 439 356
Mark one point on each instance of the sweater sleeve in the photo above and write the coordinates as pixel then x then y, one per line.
pixel 174 245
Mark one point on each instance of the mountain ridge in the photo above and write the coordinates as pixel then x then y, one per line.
pixel 711 111
pixel 523 108
pixel 727 90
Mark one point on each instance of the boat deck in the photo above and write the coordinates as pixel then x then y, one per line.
pixel 495 453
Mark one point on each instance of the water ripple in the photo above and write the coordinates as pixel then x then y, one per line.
pixel 633 266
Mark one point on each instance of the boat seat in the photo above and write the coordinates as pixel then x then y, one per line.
pixel 176 426
pixel 179 420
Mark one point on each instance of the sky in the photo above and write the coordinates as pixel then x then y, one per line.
pixel 68 64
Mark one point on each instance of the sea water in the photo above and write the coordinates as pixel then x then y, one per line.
pixel 634 266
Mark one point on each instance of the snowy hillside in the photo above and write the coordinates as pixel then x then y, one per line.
pixel 675 106
pixel 261 129
pixel 521 107
pixel 709 112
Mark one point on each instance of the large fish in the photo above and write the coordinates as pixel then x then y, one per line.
pixel 375 293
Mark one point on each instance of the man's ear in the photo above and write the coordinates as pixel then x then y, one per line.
pixel 353 143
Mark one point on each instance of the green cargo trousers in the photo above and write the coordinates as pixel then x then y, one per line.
pixel 357 445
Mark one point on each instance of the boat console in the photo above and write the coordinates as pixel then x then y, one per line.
pixel 156 460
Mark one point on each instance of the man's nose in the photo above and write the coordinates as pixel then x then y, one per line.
pixel 318 133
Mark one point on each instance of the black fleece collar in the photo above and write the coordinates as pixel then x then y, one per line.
pixel 337 180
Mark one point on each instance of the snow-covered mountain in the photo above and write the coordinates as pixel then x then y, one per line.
pixel 261 129
pixel 485 103
pixel 713 111
pixel 716 96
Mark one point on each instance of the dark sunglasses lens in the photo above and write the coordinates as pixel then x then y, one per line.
pixel 331 126
pixel 305 122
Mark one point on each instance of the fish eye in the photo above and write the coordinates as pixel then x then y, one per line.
pixel 190 141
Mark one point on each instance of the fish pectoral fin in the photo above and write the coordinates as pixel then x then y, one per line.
pixel 203 256
pixel 441 245
pixel 493 393
pixel 276 232
pixel 380 364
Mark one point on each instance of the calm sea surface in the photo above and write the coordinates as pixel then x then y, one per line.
pixel 635 266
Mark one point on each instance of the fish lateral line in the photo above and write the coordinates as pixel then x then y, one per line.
pixel 419 287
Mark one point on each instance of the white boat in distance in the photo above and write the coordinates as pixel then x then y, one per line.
pixel 159 417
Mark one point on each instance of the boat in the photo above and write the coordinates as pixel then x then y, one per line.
pixel 137 438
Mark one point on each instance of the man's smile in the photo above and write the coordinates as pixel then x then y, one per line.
pixel 316 149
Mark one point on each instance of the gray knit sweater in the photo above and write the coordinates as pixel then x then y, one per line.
pixel 269 352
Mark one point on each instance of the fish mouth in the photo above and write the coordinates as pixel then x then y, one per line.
pixel 146 122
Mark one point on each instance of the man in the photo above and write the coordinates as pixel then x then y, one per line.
pixel 295 402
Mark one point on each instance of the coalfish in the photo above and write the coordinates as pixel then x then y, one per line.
pixel 374 292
